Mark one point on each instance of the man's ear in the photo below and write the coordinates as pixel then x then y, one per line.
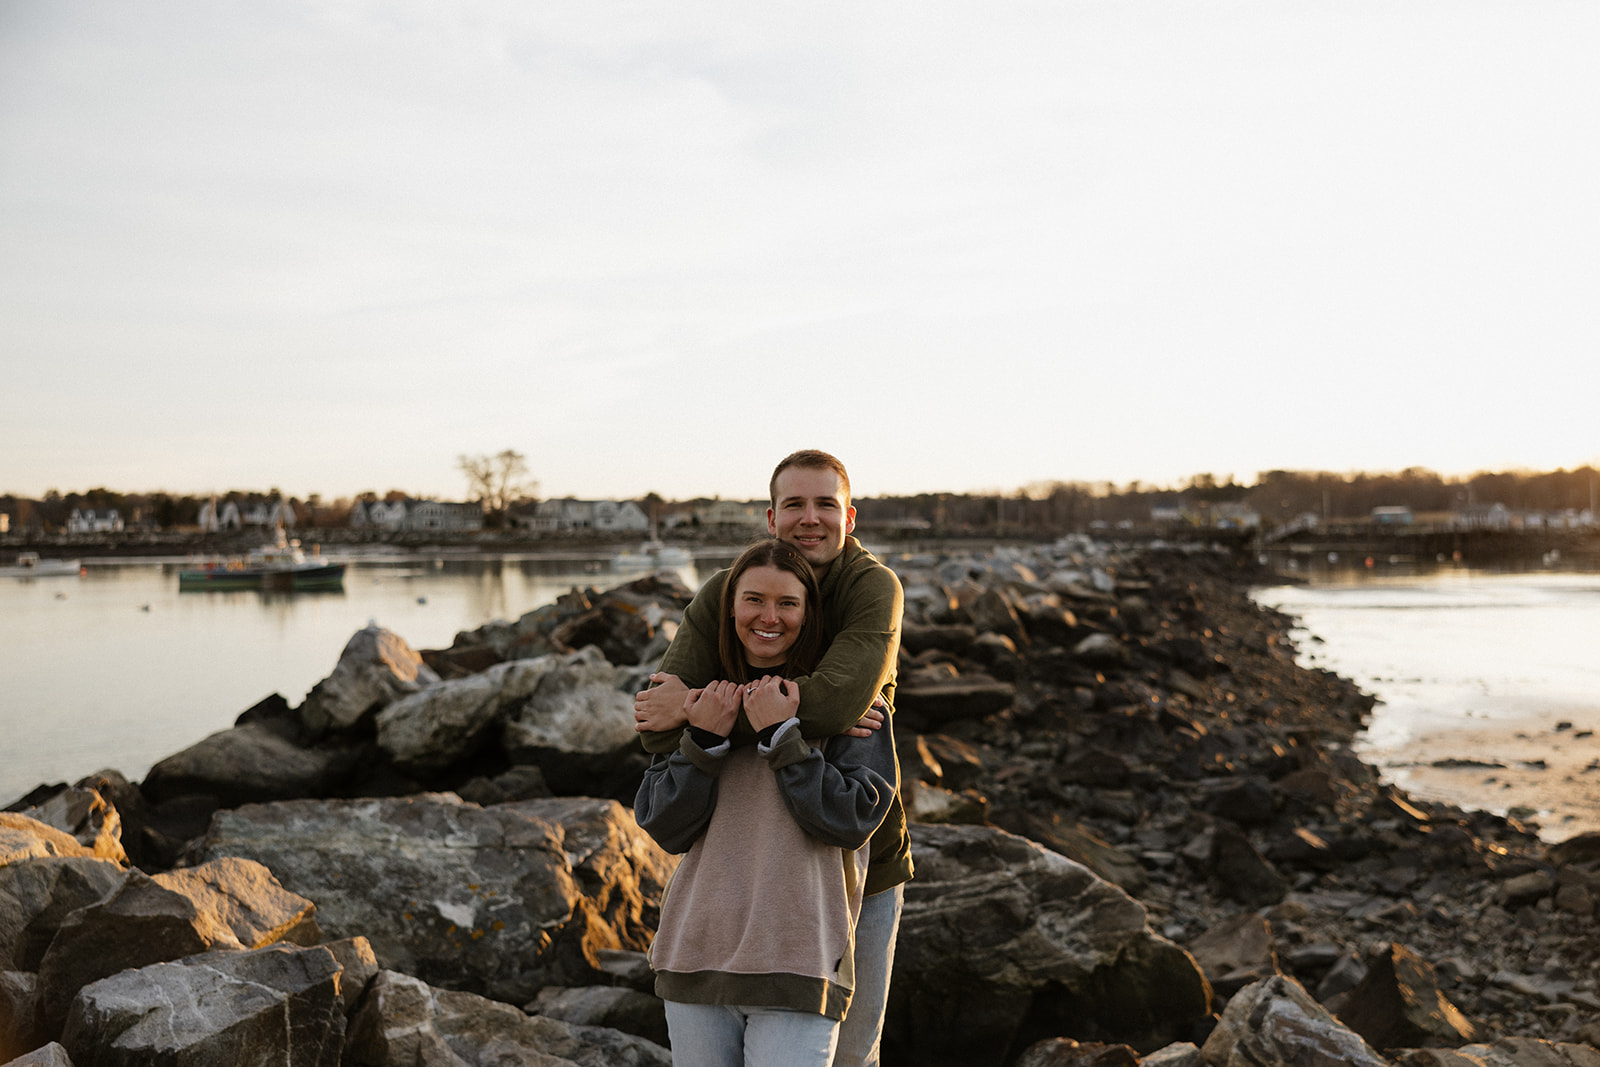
pixel 850 520
pixel 772 527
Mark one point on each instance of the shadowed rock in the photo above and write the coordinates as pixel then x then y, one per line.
pixel 273 1005
pixel 249 764
pixel 404 1021
pixel 999 934
pixel 36 895
pixel 1398 1005
pixel 231 904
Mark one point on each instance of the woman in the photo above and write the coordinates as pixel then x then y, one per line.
pixel 754 952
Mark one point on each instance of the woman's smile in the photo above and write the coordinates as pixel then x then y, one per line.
pixel 769 606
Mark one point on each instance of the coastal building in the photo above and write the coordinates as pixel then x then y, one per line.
pixel 214 518
pixel 1482 517
pixel 89 520
pixel 441 515
pixel 393 516
pixel 601 516
pixel 733 513
pixel 383 514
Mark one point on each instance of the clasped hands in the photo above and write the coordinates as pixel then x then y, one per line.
pixel 715 707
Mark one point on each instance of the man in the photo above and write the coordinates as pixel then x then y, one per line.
pixel 861 607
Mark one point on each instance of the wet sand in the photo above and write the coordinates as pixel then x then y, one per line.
pixel 1545 768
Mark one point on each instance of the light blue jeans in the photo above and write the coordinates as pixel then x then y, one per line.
pixel 734 1035
pixel 876 932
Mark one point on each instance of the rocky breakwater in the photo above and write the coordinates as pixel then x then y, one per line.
pixel 1139 836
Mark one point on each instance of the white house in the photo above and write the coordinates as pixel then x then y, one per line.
pixel 568 515
pixel 383 514
pixel 1482 517
pixel 732 513
pixel 440 515
pixel 88 520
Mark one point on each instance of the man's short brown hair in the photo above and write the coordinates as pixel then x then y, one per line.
pixel 812 459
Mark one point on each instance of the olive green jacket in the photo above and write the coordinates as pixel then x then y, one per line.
pixel 862 603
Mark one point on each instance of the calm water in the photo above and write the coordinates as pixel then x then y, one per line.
pixel 117 669
pixel 1489 683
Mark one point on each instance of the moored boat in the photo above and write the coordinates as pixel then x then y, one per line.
pixel 652 556
pixel 29 565
pixel 280 567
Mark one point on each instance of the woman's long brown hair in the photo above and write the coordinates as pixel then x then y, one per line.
pixel 807 648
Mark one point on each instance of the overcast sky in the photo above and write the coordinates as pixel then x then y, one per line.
pixel 329 247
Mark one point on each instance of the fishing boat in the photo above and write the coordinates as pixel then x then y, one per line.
pixel 29 565
pixel 279 567
pixel 652 556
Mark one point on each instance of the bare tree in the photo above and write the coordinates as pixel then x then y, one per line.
pixel 496 481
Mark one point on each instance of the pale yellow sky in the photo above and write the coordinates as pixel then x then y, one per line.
pixel 329 247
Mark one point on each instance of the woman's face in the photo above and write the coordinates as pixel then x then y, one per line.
pixel 769 607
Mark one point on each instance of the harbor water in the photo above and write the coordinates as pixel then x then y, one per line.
pixel 117 669
pixel 1488 682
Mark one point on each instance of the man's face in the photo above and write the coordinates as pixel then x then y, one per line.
pixel 812 513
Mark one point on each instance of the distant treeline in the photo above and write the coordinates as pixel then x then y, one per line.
pixel 1276 496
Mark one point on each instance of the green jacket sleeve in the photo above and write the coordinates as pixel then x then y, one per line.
pixel 864 621
pixel 692 656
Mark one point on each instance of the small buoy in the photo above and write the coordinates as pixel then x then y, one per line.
pixel 422 600
pixel 144 607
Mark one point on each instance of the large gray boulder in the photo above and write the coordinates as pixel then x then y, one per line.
pixel 404 1022
pixel 375 669
pixel 1275 1021
pixel 577 723
pixel 499 901
pixel 249 764
pixel 999 932
pixel 437 726
pixel 51 1055
pixel 276 1005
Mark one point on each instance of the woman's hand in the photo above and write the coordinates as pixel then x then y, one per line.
pixel 714 708
pixel 770 700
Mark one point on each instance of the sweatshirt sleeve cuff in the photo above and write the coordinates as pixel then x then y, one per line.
pixel 784 745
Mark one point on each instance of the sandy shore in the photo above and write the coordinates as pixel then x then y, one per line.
pixel 1549 764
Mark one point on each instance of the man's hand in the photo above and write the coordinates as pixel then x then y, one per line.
pixel 770 700
pixel 871 719
pixel 714 708
pixel 660 708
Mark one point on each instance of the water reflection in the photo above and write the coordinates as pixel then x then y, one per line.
pixel 118 669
